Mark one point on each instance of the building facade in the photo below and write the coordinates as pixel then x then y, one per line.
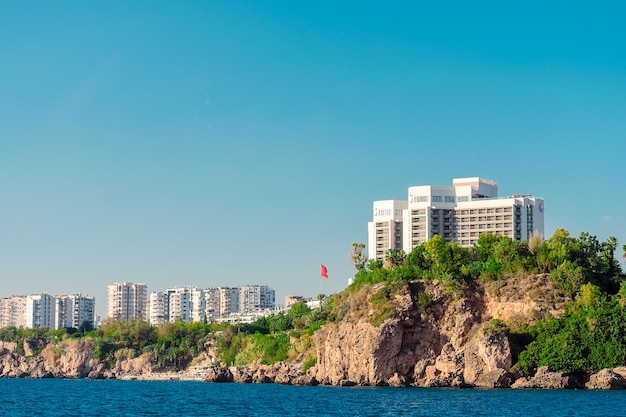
pixel 386 229
pixel 256 297
pixel 39 311
pixel 13 311
pixel 461 213
pixel 74 310
pixel 177 303
pixel 127 301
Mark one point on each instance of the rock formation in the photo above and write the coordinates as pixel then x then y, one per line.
pixel 443 344
pixel 545 379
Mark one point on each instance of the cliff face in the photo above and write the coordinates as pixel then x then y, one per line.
pixel 69 359
pixel 441 343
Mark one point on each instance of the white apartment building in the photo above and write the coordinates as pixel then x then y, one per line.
pixel 127 301
pixel 461 212
pixel 13 311
pixel 39 311
pixel 158 309
pixel 228 301
pixel 73 310
pixel 256 297
pixel 184 303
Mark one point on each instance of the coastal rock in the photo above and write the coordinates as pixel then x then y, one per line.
pixel 397 381
pixel 131 366
pixel 621 370
pixel 606 379
pixel 436 343
pixel 241 374
pixel 498 378
pixel 6 347
pixel 544 379
pixel 219 374
pixel 486 353
pixel 70 359
pixel 32 346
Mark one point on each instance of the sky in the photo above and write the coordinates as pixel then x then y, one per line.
pixel 215 143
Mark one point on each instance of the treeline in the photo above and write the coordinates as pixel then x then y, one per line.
pixel 270 339
pixel 171 345
pixel 570 262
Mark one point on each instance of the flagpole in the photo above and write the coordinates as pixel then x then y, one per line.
pixel 320 284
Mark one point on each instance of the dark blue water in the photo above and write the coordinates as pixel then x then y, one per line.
pixel 56 397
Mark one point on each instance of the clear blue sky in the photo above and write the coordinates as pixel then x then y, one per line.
pixel 231 142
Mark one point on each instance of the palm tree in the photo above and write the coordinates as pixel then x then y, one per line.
pixel 394 257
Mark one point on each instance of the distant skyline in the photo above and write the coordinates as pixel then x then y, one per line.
pixel 238 142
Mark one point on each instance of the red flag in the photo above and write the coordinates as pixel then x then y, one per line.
pixel 323 271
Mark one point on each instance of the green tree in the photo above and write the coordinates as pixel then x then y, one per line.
pixel 357 256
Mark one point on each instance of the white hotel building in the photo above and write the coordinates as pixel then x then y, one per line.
pixel 461 212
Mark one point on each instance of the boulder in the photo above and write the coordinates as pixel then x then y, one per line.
pixel 544 379
pixel 486 353
pixel 606 379
pixel 397 381
pixel 219 374
pixel 498 378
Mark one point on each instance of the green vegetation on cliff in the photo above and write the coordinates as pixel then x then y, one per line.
pixel 571 262
pixel 590 336
pixel 274 338
pixel 172 345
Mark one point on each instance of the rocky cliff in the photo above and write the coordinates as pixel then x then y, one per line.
pixel 431 338
pixel 69 359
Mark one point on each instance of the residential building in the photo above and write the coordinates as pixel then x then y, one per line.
pixel 127 301
pixel 184 303
pixel 74 310
pixel 13 311
pixel 158 310
pixel 256 297
pixel 292 299
pixel 39 311
pixel 461 213
pixel 228 301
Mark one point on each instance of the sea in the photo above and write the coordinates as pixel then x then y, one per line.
pixel 72 397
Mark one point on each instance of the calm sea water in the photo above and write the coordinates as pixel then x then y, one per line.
pixel 58 397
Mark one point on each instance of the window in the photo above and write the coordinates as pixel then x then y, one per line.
pixel 462 199
pixel 449 199
pixel 437 199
